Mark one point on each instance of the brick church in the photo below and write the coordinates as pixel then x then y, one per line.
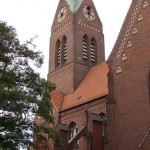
pixel 100 104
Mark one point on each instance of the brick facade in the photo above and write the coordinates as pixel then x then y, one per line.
pixel 81 116
pixel 128 107
pixel 74 27
pixel 126 101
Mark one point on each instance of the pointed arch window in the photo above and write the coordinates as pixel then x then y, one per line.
pixel 73 129
pixel 93 48
pixel 64 47
pixel 58 53
pixel 85 47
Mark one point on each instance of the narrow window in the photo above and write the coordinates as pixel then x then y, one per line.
pixel 93 51
pixel 85 47
pixel 58 53
pixel 64 49
pixel 73 129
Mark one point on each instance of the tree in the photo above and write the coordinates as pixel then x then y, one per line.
pixel 23 93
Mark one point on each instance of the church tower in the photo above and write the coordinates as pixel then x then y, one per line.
pixel 76 43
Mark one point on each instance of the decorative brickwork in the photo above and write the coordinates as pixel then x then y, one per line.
pixel 87 88
pixel 128 118
pixel 74 25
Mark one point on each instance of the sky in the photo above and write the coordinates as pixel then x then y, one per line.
pixel 35 17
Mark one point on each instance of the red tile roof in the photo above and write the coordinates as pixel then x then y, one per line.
pixel 94 85
pixel 57 99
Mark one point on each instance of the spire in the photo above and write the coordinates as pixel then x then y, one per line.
pixel 74 4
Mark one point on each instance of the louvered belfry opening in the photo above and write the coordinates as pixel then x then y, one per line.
pixel 64 52
pixel 85 48
pixel 93 51
pixel 58 54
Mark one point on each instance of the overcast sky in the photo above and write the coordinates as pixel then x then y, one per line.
pixel 34 17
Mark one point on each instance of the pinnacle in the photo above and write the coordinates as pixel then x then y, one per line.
pixel 74 4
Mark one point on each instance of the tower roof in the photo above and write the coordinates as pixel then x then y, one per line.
pixel 74 4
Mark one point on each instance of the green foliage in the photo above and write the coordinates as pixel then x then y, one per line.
pixel 23 93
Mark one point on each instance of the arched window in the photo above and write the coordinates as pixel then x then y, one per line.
pixel 85 48
pixel 103 116
pixel 64 49
pixel 93 48
pixel 58 53
pixel 73 129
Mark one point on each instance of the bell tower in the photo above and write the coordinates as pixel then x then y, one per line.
pixel 76 43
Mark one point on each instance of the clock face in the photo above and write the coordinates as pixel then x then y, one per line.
pixel 62 14
pixel 89 13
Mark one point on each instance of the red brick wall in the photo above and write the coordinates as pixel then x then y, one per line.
pixel 79 116
pixel 97 139
pixel 128 118
pixel 69 75
pixel 64 139
pixel 63 78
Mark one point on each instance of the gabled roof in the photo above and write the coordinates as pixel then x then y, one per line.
pixel 93 86
pixel 57 99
